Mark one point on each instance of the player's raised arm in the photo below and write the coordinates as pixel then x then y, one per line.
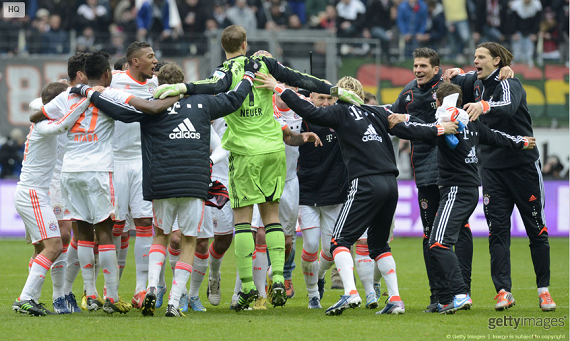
pixel 61 126
pixel 219 81
pixel 414 128
pixel 496 138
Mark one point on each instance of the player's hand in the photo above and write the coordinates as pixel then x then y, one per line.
pixel 531 142
pixel 80 89
pixel 506 72
pixel 450 73
pixel 449 127
pixel 394 119
pixel 474 110
pixel 346 96
pixel 267 81
pixel 312 137
pixel 99 88
pixel 169 90
pixel 251 67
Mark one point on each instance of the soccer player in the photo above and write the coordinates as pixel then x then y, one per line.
pixel 176 173
pixel 372 171
pixel 257 158
pixel 509 177
pixel 137 80
pixel 33 204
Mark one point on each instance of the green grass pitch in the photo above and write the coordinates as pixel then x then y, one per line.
pixel 295 321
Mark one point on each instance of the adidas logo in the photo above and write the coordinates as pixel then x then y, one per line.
pixel 159 264
pixel 185 130
pixel 245 199
pixel 371 135
pixel 391 272
pixel 127 86
pixel 105 271
pixel 408 98
pixel 532 198
pixel 472 156
pixel 88 266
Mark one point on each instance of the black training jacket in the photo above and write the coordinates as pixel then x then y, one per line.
pixel 176 142
pixel 323 178
pixel 362 132
pixel 508 113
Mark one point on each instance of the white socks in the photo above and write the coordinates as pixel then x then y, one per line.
pixel 181 275
pixel 36 278
pixel 345 266
pixel 156 258
pixel 142 248
pixel 87 263
pixel 58 274
pixel 260 264
pixel 387 267
pixel 198 272
pixel 72 269
pixel 364 268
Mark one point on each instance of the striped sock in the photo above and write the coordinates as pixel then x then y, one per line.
pixel 58 273
pixel 345 266
pixel 156 257
pixel 275 240
pixel 215 260
pixel 364 268
pixel 108 258
pixel 181 276
pixel 142 247
pixel 310 267
pixel 198 272
pixel 326 260
pixel 387 266
pixel 244 248
pixel 123 253
pixel 73 267
pixel 36 277
pixel 260 265
pixel 86 256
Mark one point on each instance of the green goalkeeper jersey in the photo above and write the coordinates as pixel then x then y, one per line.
pixel 252 130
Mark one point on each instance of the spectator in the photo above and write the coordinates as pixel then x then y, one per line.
pixel 125 17
pixel 491 22
pixel 553 168
pixel 153 22
pixel 435 27
pixel 551 36
pixel 526 19
pixel 241 14
pixel 117 46
pixel 457 20
pixel 11 154
pixel 55 40
pixel 328 19
pixel 279 16
pixel 193 17
pixel 92 14
pixel 378 23
pixel 36 32
pixel 350 17
pixel 86 40
pixel 313 10
pixel 411 20
pixel 64 8
pixel 220 16
pixel 298 7
pixel 561 9
pixel 294 23
pixel 9 42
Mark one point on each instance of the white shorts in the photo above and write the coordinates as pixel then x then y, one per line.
pixel 89 196
pixel 128 192
pixel 322 217
pixel 56 200
pixel 34 207
pixel 188 211
pixel 288 209
pixel 216 222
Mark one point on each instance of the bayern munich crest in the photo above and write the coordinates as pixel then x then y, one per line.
pixel 486 200
pixel 424 205
pixel 53 226
pixel 215 222
pixel 57 209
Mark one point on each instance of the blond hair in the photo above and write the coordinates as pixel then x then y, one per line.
pixel 352 84
pixel 170 73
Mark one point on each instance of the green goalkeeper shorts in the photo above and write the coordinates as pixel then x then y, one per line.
pixel 255 179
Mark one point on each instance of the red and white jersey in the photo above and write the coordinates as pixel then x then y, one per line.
pixel 41 148
pixel 89 142
pixel 127 137
pixel 220 169
pixel 289 118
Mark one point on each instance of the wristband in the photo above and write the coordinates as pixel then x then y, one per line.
pixel 486 107
pixel 279 88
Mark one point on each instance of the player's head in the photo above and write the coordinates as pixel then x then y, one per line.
pixel 322 100
pixel 159 65
pixel 234 39
pixel 141 59
pixel 447 89
pixel 352 84
pixel 76 68
pixel 171 73
pixel 426 64
pixel 51 91
pixel 490 56
pixel 121 64
pixel 98 69
pixel 369 98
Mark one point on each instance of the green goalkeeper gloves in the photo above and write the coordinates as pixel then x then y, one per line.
pixel 346 96
pixel 169 90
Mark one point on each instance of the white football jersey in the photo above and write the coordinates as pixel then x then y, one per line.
pixel 89 142
pixel 127 137
pixel 293 121
pixel 220 169
pixel 41 148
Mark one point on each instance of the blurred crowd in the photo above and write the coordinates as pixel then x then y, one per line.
pixel 181 27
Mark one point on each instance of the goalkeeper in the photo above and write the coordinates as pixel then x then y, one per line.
pixel 257 164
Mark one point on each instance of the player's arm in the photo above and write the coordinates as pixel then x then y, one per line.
pixel 152 107
pixel 508 97
pixel 496 138
pixel 449 74
pixel 331 116
pixel 293 138
pixel 57 127
pixel 217 152
pixel 413 128
pixel 116 109
pixel 53 110
pixel 220 81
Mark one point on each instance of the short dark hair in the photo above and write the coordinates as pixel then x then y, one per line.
pixel 134 49
pixel 159 65
pixel 51 91
pixel 232 38
pixel 368 96
pixel 96 64
pixel 426 52
pixel 171 73
pixel 498 50
pixel 75 64
pixel 120 64
pixel 447 89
